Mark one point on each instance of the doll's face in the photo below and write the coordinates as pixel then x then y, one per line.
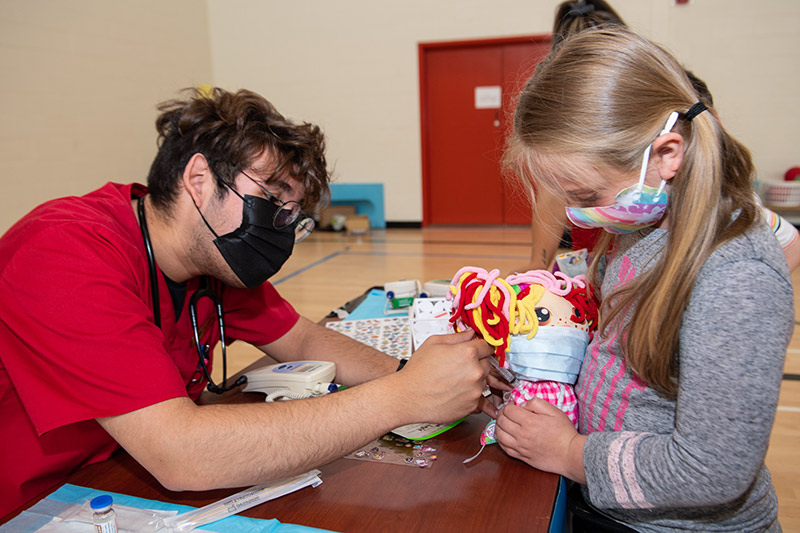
pixel 554 310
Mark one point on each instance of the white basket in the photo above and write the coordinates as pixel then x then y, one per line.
pixel 784 194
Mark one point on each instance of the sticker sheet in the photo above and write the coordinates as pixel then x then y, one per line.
pixel 391 336
pixel 398 451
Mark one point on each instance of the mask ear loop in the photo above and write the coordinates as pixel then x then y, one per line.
pixel 204 218
pixel 673 118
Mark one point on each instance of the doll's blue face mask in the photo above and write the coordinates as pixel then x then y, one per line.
pixel 555 353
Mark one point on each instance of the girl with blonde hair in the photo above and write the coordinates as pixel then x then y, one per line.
pixel 549 221
pixel 678 389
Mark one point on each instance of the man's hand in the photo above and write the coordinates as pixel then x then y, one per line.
pixel 446 376
pixel 497 386
pixel 540 434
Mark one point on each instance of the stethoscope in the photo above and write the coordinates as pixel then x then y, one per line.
pixel 203 292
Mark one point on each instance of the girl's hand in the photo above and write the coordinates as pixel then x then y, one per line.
pixel 541 435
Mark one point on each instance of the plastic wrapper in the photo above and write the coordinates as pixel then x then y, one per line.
pixel 240 501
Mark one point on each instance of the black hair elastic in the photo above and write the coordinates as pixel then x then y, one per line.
pixel 695 110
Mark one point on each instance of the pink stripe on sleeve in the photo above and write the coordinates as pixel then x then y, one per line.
pixel 628 468
pixel 622 471
pixel 614 472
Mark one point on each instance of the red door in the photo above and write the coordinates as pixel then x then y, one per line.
pixel 468 94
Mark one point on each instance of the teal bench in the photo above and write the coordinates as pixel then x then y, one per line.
pixel 367 197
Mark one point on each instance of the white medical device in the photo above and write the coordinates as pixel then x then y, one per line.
pixel 298 379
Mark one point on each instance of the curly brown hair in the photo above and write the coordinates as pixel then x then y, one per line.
pixel 232 130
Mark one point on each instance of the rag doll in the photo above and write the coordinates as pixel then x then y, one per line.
pixel 539 323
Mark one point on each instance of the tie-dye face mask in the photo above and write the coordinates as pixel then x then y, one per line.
pixel 634 207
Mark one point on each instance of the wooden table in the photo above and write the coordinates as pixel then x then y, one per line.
pixel 494 492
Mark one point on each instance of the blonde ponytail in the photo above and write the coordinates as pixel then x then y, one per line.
pixel 596 103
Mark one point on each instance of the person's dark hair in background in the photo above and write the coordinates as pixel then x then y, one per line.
pixel 232 130
pixel 573 17
pixel 700 87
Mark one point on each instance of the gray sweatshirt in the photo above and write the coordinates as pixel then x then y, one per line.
pixel 695 462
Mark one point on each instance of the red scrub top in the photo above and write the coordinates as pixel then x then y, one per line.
pixel 584 238
pixel 77 338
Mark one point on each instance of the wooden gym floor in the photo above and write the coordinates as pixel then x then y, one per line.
pixel 328 269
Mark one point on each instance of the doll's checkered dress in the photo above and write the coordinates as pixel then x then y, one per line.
pixel 559 394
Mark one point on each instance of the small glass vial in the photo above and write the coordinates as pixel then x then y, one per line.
pixel 104 518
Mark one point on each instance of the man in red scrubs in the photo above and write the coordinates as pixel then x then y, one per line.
pixel 97 346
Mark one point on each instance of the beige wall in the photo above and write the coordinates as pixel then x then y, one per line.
pixel 81 77
pixel 80 81
pixel 351 66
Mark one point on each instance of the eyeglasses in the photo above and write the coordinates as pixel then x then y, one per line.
pixel 288 214
pixel 203 349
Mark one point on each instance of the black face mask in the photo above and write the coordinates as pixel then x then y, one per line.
pixel 256 250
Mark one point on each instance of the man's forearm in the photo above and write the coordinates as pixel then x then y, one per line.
pixel 189 447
